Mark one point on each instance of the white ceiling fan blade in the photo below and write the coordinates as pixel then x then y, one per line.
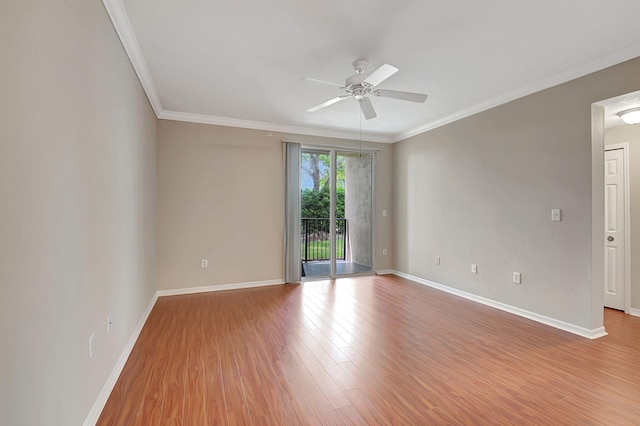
pixel 367 108
pixel 404 96
pixel 322 82
pixel 381 74
pixel 329 102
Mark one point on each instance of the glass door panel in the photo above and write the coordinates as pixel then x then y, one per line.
pixel 354 213
pixel 336 213
pixel 315 203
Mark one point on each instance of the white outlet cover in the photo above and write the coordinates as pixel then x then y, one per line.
pixel 205 263
pixel 517 278
pixel 474 268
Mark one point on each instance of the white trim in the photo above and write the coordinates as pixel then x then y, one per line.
pixel 635 312
pixel 560 78
pixel 220 287
pixel 271 127
pixel 122 25
pixel 571 328
pixel 627 222
pixel 103 396
pixel 385 272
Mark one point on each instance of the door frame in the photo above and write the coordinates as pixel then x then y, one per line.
pixel 627 222
pixel 333 151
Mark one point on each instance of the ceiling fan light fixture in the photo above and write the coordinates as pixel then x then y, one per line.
pixel 630 116
pixel 360 85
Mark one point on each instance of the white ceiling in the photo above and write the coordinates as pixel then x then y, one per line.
pixel 241 63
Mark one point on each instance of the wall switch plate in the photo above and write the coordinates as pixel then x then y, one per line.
pixel 437 260
pixel 474 268
pixel 384 213
pixel 517 278
pixel 92 345
pixel 384 252
pixel 109 323
pixel 556 215
pixel 205 263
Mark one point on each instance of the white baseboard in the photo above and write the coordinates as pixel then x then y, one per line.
pixel 221 287
pixel 634 312
pixel 385 272
pixel 571 328
pixel 103 396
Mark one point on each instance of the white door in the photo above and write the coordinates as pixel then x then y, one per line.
pixel 614 235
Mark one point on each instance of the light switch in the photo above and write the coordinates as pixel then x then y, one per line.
pixel 384 213
pixel 556 215
pixel 517 278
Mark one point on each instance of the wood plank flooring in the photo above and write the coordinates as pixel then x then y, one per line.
pixel 369 350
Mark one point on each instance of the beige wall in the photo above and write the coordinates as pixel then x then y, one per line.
pixel 78 224
pixel 221 197
pixel 77 184
pixel 631 134
pixel 481 190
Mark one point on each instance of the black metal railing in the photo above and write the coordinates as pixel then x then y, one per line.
pixel 316 240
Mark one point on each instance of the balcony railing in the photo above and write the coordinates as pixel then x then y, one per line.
pixel 316 240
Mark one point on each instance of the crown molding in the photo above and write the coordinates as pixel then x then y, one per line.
pixel 555 80
pixel 122 25
pixel 271 127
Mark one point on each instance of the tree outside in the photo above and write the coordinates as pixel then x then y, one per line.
pixel 315 183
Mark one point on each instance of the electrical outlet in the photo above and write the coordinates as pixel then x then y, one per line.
pixel 109 323
pixel 205 263
pixel 92 345
pixel 384 252
pixel 437 260
pixel 517 278
pixel 474 268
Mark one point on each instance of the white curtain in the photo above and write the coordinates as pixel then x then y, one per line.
pixel 292 265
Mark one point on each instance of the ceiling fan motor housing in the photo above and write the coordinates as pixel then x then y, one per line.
pixel 355 85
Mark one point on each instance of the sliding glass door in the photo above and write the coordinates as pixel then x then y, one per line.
pixel 354 185
pixel 336 193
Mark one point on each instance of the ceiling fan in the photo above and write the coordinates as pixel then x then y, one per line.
pixel 359 85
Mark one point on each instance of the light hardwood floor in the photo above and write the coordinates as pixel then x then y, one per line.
pixel 369 350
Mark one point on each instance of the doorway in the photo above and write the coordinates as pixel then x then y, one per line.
pixel 613 272
pixel 336 199
pixel 617 223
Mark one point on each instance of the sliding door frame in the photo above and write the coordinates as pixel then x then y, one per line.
pixel 333 151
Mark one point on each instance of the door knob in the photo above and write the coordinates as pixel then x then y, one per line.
pixel 609 238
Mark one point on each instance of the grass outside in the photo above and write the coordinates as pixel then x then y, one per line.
pixel 321 250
